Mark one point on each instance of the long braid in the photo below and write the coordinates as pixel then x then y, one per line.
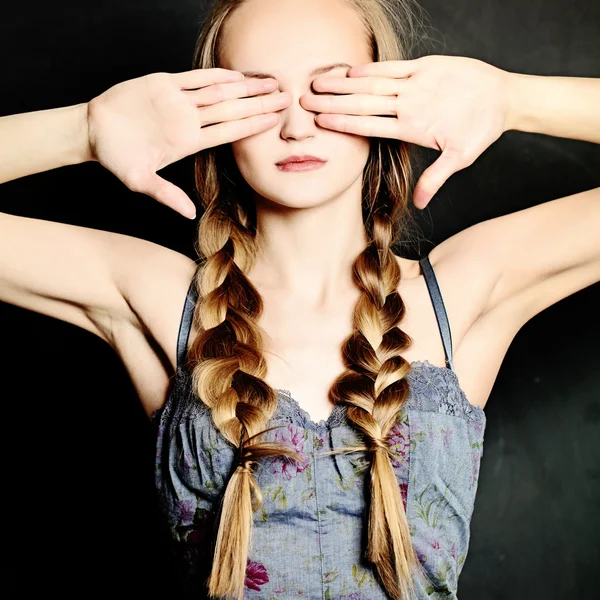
pixel 375 388
pixel 229 367
pixel 228 377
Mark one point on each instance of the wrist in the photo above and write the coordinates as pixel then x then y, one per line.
pixel 41 140
pixel 554 105
pixel 516 101
pixel 82 146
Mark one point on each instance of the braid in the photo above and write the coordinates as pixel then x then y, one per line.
pixel 375 389
pixel 228 377
pixel 228 365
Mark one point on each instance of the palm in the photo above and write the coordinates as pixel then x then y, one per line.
pixel 149 126
pixel 454 107
pixel 449 103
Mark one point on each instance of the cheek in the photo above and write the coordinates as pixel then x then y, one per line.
pixel 239 148
pixel 355 148
pixel 245 153
pixel 245 149
pixel 242 153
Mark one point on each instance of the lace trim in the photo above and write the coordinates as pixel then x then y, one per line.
pixel 291 411
pixel 432 389
pixel 437 389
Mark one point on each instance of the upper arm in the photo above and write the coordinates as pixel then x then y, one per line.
pixel 540 255
pixel 96 280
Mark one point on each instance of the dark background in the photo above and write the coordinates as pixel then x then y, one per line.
pixel 79 515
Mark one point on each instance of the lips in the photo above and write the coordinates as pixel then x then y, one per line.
pixel 300 159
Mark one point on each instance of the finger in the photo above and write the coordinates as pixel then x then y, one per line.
pixel 385 68
pixel 229 90
pixel 241 108
pixel 400 128
pixel 384 127
pixel 432 178
pixel 378 86
pixel 353 104
pixel 197 78
pixel 230 131
pixel 168 194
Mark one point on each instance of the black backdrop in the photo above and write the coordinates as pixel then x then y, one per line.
pixel 79 516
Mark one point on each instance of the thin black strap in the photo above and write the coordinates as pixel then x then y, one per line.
pixel 439 308
pixel 186 325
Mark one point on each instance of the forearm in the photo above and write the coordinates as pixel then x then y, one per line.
pixel 42 140
pixel 566 107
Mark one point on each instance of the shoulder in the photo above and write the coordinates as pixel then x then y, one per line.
pixel 465 281
pixel 460 270
pixel 481 330
pixel 464 275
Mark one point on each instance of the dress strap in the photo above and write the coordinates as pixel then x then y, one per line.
pixel 439 308
pixel 186 325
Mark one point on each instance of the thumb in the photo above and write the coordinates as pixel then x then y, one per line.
pixel 434 177
pixel 168 194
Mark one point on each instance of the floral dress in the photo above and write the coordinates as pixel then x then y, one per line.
pixel 309 535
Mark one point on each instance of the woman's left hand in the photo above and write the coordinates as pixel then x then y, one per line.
pixel 453 104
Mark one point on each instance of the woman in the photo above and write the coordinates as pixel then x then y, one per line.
pixel 296 263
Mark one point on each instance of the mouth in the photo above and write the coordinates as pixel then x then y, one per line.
pixel 300 159
pixel 300 163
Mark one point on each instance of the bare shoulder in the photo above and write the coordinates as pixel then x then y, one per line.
pixel 481 331
pixel 146 341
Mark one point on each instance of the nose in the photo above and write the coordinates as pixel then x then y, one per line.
pixel 297 122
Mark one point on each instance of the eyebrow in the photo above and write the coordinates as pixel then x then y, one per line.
pixel 317 71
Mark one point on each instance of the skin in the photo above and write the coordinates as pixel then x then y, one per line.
pixel 304 273
pixel 304 256
pixel 489 290
pixel 311 227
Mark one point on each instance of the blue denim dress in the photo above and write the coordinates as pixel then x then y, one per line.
pixel 309 535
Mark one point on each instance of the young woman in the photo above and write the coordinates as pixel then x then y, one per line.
pixel 319 402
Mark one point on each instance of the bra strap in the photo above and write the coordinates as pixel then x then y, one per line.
pixel 186 325
pixel 439 308
pixel 432 287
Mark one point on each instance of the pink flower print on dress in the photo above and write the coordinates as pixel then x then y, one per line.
pixel 453 550
pixel 292 435
pixel 256 575
pixel 200 535
pixel 404 493
pixel 447 436
pixel 188 464
pixel 399 441
pixel 478 427
pixel 430 432
pixel 431 539
pixel 476 464
pixel 186 509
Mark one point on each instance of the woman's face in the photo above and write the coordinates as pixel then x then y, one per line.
pixel 288 39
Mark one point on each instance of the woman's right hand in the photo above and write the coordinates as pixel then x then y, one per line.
pixel 140 126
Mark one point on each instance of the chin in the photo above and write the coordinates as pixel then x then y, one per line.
pixel 297 195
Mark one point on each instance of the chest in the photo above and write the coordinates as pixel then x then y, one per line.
pixel 304 348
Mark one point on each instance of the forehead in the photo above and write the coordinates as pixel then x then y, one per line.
pixel 282 37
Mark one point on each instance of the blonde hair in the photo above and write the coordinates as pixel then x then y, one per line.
pixel 226 360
